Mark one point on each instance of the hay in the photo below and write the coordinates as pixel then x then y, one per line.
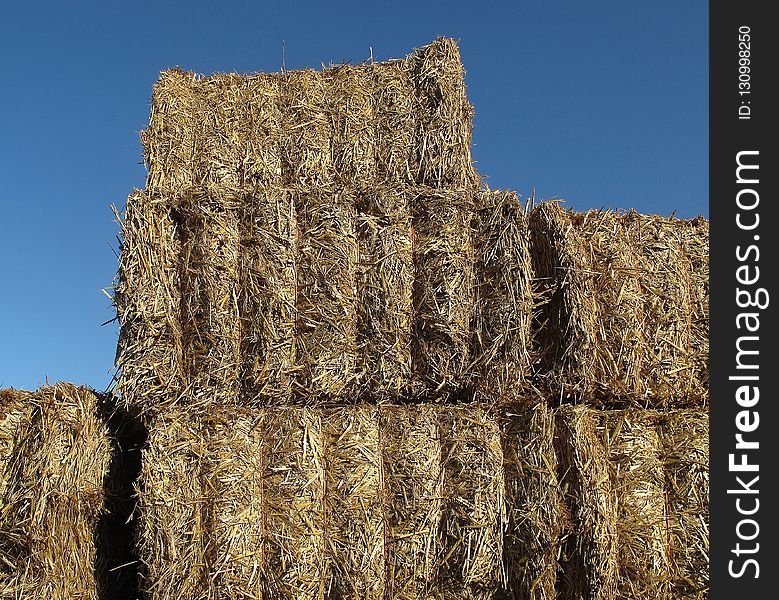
pixel 53 496
pixel 209 275
pixel 266 300
pixel 147 295
pixel 362 501
pixel 443 292
pixel 504 295
pixel 15 416
pixel 350 96
pixel 326 290
pixel 384 294
pixel 534 514
pixel 396 124
pixel 444 125
pixel 618 321
pixel 637 487
pixel 685 441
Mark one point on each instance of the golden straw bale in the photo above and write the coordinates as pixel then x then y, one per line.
pixel 443 292
pixel 385 281
pixel 172 500
pixel 350 96
pixel 685 455
pixel 326 343
pixel 504 294
pixel 534 514
pixel 53 496
pixel 266 296
pixel 210 268
pixel 396 111
pixel 473 508
pixel 640 516
pixel 413 495
pixel 147 296
pixel 443 140
pixel 618 321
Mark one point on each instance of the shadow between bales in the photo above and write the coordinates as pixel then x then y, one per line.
pixel 117 565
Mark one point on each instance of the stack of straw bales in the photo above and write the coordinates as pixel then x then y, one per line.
pixel 55 453
pixel 310 238
pixel 337 337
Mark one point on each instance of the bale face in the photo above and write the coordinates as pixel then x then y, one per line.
pixel 209 274
pixel 534 513
pixel 444 125
pixel 504 294
pixel 637 489
pixel 267 295
pixel 384 294
pixel 147 298
pixel 365 501
pixel 618 320
pixel 53 497
pixel 443 294
pixel 326 290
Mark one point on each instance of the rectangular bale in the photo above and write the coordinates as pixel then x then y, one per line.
pixel 173 139
pixel 326 344
pixel 473 509
pixel 267 296
pixel 443 293
pixel 445 117
pixel 305 135
pixel 396 112
pixel 172 492
pixel 504 295
pixel 685 455
pixel 616 324
pixel 351 100
pixel 210 319
pixel 54 498
pixel 355 532
pixel 385 281
pixel 147 296
pixel 589 546
pixel 534 513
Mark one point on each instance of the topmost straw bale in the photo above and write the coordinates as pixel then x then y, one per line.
pixel 358 122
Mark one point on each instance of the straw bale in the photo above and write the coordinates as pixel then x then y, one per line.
pixel 413 495
pixel 173 139
pixel 306 132
pixel 326 344
pixel 473 510
pixel 444 125
pixel 641 516
pixel 147 296
pixel 396 124
pixel 685 455
pixel 355 532
pixel 385 281
pixel 266 301
pixel 617 326
pixel 210 321
pixel 443 294
pixel 53 497
pixel 534 515
pixel 504 294
pixel 15 415
pixel 171 501
pixel 350 95
pixel 589 547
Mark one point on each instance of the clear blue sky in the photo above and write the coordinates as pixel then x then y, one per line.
pixel 600 103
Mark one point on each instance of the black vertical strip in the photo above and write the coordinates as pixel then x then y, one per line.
pixel 742 51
